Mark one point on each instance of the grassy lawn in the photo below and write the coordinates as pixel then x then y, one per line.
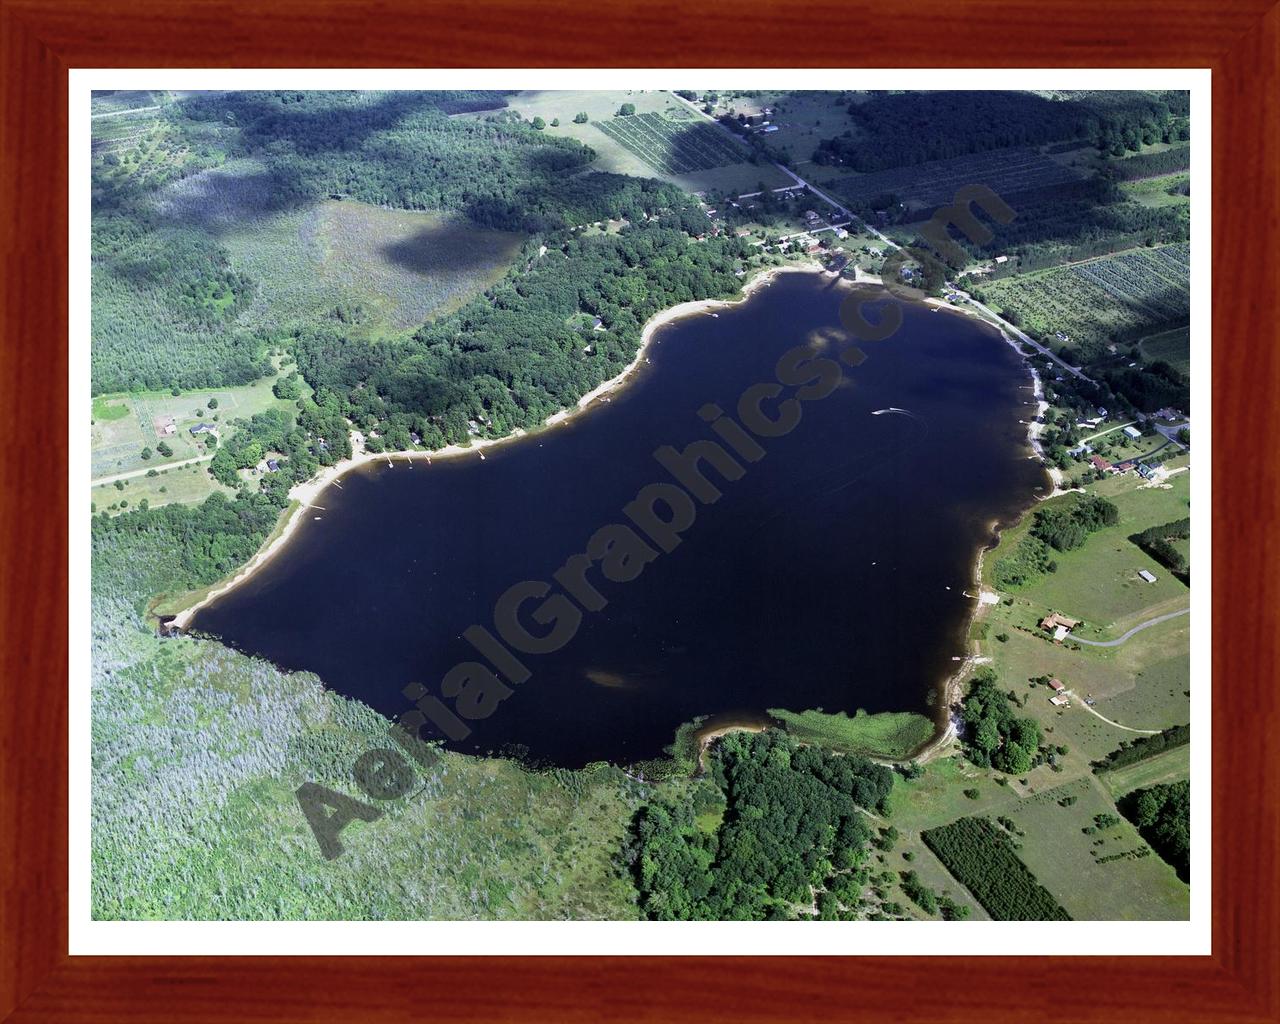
pixel 612 156
pixel 924 862
pixel 187 485
pixel 1066 860
pixel 1099 581
pixel 1154 192
pixel 1170 766
pixel 890 735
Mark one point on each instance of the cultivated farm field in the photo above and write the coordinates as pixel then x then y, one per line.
pixel 1113 298
pixel 674 147
pixel 926 186
pixel 1172 347
pixel 736 176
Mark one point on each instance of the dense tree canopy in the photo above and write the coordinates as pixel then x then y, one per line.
pixel 1163 816
pixel 792 824
pixel 895 129
pixel 993 734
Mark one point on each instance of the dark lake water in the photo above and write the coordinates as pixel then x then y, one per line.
pixel 831 574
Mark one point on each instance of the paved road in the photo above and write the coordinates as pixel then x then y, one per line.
pixel 122 113
pixel 1027 340
pixel 1136 629
pixel 146 469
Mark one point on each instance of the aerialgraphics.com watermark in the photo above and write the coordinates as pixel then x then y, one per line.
pixel 539 617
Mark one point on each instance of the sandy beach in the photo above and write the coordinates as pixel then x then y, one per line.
pixel 307 493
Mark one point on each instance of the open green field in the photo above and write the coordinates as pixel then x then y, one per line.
pixel 125 424
pixel 1141 685
pixel 1069 862
pixel 613 156
pixel 1172 347
pixel 184 485
pixel 924 862
pixel 1064 859
pixel 894 735
pixel 1155 192
pixel 1169 766
pixel 1099 582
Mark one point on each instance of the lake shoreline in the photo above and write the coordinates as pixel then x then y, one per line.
pixel 951 689
pixel 306 493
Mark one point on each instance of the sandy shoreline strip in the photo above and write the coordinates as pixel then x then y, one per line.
pixel 307 492
pixel 952 688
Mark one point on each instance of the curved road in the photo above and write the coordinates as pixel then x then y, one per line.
pixel 1136 629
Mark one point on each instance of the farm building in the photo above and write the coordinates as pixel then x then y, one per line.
pixel 1002 259
pixel 1149 577
pixel 1056 684
pixel 1133 432
pixel 1060 702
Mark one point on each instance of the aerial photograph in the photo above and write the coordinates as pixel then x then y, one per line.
pixel 640 504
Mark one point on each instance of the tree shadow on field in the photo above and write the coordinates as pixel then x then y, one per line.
pixel 449 246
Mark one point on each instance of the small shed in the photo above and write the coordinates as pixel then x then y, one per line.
pixel 1148 577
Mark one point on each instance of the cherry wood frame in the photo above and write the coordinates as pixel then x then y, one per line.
pixel 41 39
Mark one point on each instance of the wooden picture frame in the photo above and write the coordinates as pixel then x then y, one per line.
pixel 42 39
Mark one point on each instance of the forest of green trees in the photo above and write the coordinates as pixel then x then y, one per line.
pixel 512 358
pixel 1163 817
pixel 1067 526
pixel 792 821
pixel 981 856
pixel 1155 541
pixel 167 302
pixel 896 129
pixel 993 735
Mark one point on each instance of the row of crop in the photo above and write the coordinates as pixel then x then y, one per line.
pixel 981 857
pixel 1135 278
pixel 676 149
pixel 1005 171
pixel 1112 299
